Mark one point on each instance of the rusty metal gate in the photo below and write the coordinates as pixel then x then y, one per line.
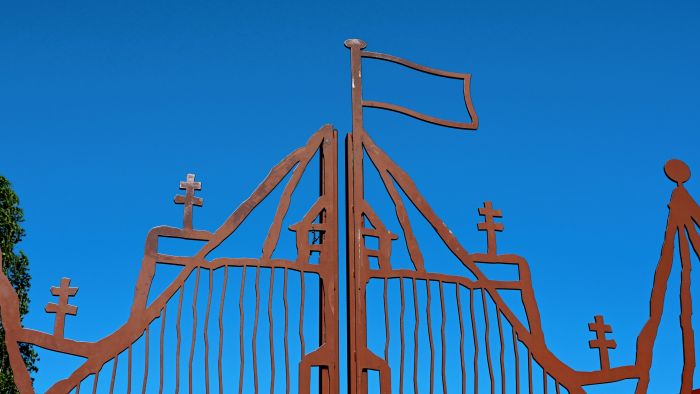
pixel 371 264
pixel 489 337
pixel 182 339
pixel 159 326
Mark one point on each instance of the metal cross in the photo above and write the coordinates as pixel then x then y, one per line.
pixel 189 199
pixel 62 308
pixel 601 343
pixel 489 225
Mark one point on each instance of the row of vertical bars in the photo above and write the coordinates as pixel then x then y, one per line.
pixel 490 337
pixel 479 341
pixel 126 359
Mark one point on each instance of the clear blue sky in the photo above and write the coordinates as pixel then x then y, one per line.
pixel 104 107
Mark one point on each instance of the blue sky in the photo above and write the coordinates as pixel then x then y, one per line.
pixel 104 107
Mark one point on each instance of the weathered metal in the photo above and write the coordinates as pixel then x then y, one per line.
pixel 321 218
pixel 487 330
pixel 600 342
pixel 683 217
pixel 189 199
pixel 62 308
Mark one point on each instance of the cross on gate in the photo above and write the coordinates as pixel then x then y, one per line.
pixel 62 308
pixel 601 343
pixel 189 198
pixel 490 226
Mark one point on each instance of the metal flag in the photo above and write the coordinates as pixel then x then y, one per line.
pixel 357 47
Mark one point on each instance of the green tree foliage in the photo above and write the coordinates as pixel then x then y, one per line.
pixel 16 268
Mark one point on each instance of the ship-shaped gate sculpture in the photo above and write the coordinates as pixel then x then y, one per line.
pixel 493 350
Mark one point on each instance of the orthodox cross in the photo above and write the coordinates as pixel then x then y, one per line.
pixel 62 308
pixel 490 226
pixel 189 199
pixel 601 343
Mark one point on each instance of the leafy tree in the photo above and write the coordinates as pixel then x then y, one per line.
pixel 16 268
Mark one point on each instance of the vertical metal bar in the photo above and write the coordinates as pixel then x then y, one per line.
pixel 354 190
pixel 114 374
pixel 272 331
pixel 145 361
pixel 356 46
pixel 487 341
pixel 162 348
pixel 330 285
pixel 502 358
pixel 128 378
pixel 323 379
pixel 193 340
pixel 387 334
pixel 529 370
pixel 286 330
pixel 242 332
pixel 254 340
pixel 429 323
pixel 350 280
pixel 442 338
pixel 403 308
pixel 476 341
pixel 221 330
pixel 301 314
pixel 415 337
pixel 328 266
pixel 94 383
pixel 179 339
pixel 206 331
pixel 461 338
pixel 517 362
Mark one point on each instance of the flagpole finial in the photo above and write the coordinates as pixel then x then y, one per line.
pixel 355 43
pixel 677 171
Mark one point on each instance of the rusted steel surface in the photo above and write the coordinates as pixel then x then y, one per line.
pixel 472 124
pixel 498 349
pixel 484 323
pixel 321 219
pixel 62 308
pixel 600 342
pixel 188 200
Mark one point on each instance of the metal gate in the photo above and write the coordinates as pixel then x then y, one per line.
pixel 177 340
pixel 151 344
pixel 371 264
pixel 490 346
